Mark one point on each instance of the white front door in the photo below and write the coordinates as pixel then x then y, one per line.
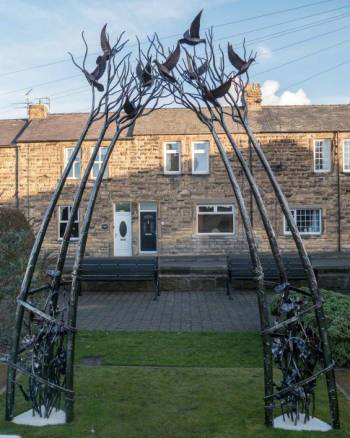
pixel 122 233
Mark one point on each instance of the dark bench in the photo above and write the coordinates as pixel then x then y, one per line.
pixel 121 269
pixel 240 267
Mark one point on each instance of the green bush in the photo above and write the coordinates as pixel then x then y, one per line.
pixel 16 240
pixel 337 311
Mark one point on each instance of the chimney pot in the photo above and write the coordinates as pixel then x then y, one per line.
pixel 253 97
pixel 37 111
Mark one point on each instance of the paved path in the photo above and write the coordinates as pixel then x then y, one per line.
pixel 174 311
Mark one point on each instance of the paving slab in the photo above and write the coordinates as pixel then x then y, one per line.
pixel 174 311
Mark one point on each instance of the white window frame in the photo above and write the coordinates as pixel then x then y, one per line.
pixel 77 160
pixel 216 212
pixel 99 161
pixel 346 142
pixel 303 233
pixel 66 222
pixel 165 152
pixel 200 172
pixel 329 168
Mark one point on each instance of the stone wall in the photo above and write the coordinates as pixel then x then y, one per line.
pixel 136 175
pixel 8 176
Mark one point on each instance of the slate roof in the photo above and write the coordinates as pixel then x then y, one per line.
pixel 9 130
pixel 180 121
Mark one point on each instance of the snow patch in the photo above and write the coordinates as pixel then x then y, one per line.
pixel 27 418
pixel 314 424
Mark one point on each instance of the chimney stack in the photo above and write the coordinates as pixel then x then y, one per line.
pixel 37 111
pixel 253 97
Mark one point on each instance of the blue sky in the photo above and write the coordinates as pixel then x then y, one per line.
pixel 38 32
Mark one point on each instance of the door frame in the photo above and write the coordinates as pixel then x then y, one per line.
pixel 114 229
pixel 139 218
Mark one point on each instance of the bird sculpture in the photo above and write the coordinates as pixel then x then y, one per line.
pixel 238 63
pixel 191 36
pixel 170 63
pixel 96 74
pixel 105 46
pixel 216 93
pixel 129 108
pixel 145 74
pixel 192 71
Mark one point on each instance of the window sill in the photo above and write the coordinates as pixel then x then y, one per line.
pixel 103 179
pixel 216 235
pixel 304 236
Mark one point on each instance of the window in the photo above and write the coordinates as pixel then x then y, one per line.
pixel 74 173
pixel 200 157
pixel 98 162
pixel 215 219
pixel 172 154
pixel 322 155
pixel 64 215
pixel 346 156
pixel 308 221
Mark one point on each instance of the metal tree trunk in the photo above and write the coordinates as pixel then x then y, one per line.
pixel 73 299
pixel 260 204
pixel 259 278
pixel 319 312
pixel 32 261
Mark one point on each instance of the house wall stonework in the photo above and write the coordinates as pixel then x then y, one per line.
pixel 8 176
pixel 136 175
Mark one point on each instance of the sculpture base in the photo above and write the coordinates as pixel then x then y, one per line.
pixel 28 419
pixel 9 436
pixel 314 424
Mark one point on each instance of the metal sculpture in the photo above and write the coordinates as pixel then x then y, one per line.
pixel 296 348
pixel 44 351
pixel 25 290
pixel 206 84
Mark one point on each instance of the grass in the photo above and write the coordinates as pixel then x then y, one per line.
pixel 199 349
pixel 186 386
pixel 343 378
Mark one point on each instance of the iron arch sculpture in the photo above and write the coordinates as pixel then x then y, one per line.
pixel 212 84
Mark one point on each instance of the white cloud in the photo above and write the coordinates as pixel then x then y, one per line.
pixel 269 96
pixel 264 53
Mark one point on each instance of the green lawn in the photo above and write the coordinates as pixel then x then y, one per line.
pixel 171 385
pixel 199 349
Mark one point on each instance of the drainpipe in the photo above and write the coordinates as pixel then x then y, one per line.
pixel 17 162
pixel 28 206
pixel 336 142
pixel 17 178
pixel 251 171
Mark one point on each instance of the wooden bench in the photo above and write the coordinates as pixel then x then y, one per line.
pixel 239 267
pixel 113 269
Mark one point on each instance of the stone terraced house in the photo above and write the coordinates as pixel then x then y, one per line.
pixel 166 190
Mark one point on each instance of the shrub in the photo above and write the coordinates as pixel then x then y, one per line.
pixel 337 311
pixel 16 240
